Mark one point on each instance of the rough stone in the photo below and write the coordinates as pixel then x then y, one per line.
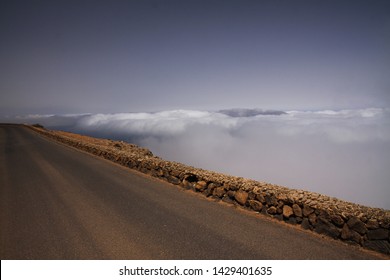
pixel 201 185
pixel 357 225
pixel 382 246
pixel 232 187
pixel 287 211
pixel 213 185
pixel 282 196
pixel 271 210
pixel 255 205
pixel 325 227
pixel 305 223
pixel 184 183
pixel 279 217
pixel 297 210
pixel 241 197
pixel 260 198
pixel 207 192
pixel 219 192
pixel 227 199
pixel 372 224
pixel 337 220
pixel 307 210
pixel 385 223
pixel 362 217
pixel 231 194
pixel 292 221
pixel 271 200
pixel 323 214
pixel 378 234
pixel 313 218
pixel 173 180
pixel 348 234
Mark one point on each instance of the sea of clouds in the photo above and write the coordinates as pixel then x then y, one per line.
pixel 345 154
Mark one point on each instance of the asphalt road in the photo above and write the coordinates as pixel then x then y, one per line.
pixel 60 203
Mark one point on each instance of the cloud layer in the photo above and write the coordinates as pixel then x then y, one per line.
pixel 344 153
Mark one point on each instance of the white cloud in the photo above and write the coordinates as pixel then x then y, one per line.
pixel 160 124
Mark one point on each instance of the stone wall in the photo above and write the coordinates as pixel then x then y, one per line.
pixel 356 224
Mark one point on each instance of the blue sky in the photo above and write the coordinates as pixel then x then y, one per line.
pixel 131 56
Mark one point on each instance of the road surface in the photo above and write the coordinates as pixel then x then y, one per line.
pixel 60 203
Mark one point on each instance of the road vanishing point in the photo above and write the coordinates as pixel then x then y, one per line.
pixel 60 203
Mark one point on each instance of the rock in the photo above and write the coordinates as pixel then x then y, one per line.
pixel 271 200
pixel 282 196
pixel 210 189
pixel 378 234
pixel 297 210
pixel 231 194
pixel 241 197
pixel 337 220
pixel 173 180
pixel 287 211
pixel 372 224
pixel 200 186
pixel 362 217
pixel 176 173
pixel 227 200
pixel 291 198
pixel 232 187
pixel 323 214
pixel 279 208
pixel 385 223
pixel 271 210
pixel 307 210
pixel 251 195
pixel 312 219
pixel 357 225
pixel 347 234
pixel 292 221
pixel 160 172
pixel 185 183
pixel 207 192
pixel 325 227
pixel 378 245
pixel 279 217
pixel 256 205
pixel 219 192
pixel 305 223
pixel 260 198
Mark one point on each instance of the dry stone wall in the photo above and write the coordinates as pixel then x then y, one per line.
pixel 356 224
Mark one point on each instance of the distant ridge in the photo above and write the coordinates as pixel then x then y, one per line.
pixel 242 113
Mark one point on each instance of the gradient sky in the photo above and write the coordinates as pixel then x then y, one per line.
pixel 110 56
